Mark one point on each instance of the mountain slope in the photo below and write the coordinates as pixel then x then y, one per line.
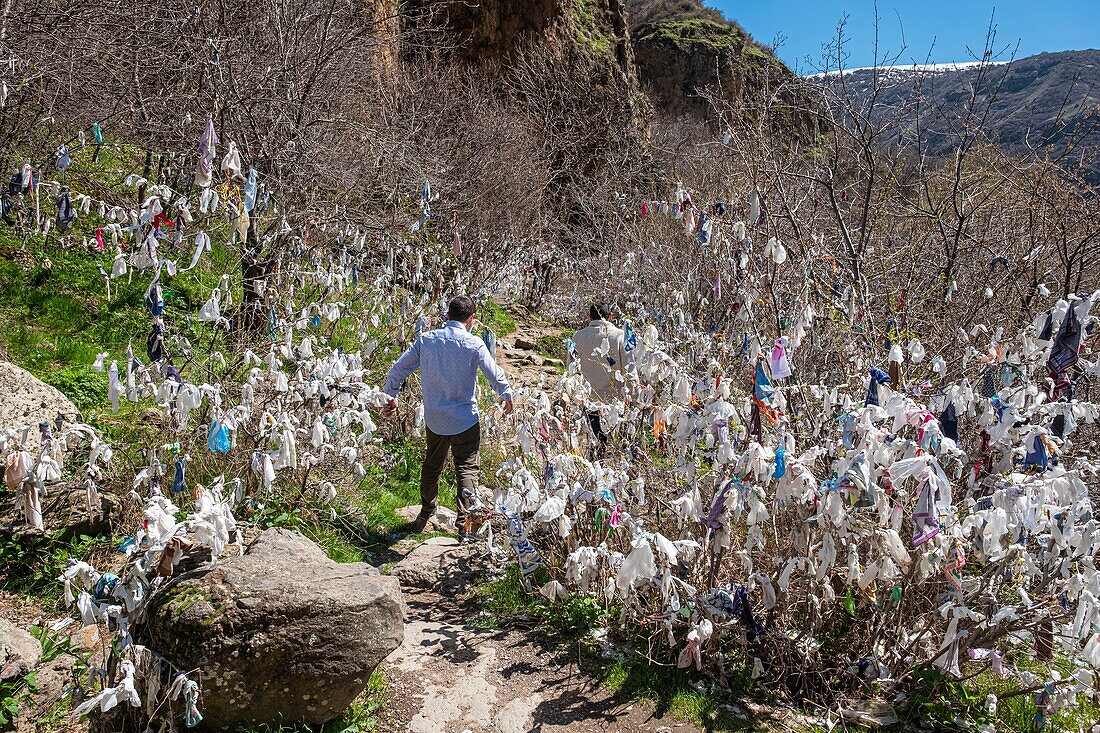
pixel 1046 103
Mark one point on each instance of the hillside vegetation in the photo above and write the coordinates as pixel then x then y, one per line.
pixel 850 461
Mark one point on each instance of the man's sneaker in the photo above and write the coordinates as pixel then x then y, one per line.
pixel 417 525
pixel 465 537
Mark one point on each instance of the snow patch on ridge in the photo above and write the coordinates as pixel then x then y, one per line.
pixel 907 68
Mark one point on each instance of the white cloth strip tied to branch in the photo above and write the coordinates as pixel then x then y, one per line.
pixel 893 466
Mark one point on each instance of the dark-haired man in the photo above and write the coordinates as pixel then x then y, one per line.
pixel 448 359
pixel 601 352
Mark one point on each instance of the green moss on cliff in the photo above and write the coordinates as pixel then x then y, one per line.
pixel 715 36
pixel 590 34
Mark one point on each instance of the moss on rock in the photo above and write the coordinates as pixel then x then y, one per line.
pixel 184 598
pixel 715 36
pixel 591 35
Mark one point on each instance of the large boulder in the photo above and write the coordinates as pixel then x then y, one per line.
pixel 281 634
pixel 28 400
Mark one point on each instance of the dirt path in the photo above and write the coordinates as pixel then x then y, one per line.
pixel 451 677
pixel 448 677
pixel 518 352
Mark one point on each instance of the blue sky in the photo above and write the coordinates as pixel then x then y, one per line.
pixel 948 27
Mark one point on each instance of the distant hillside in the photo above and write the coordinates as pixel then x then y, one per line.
pixel 1045 102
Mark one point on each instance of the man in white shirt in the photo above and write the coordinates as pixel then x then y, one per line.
pixel 601 352
pixel 448 359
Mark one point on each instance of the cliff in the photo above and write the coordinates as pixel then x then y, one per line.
pixel 683 60
pixel 676 51
pixel 496 30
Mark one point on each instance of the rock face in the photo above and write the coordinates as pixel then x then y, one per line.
pixel 65 510
pixel 20 654
pixel 19 651
pixel 495 30
pixel 680 59
pixel 440 563
pixel 281 634
pixel 28 400
pixel 442 521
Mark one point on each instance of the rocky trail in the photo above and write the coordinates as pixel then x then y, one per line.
pixel 520 352
pixel 448 676
pixel 451 676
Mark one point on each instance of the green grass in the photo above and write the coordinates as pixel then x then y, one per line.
pixel 378 526
pixel 495 317
pixel 86 388
pixel 338 547
pixel 55 316
pixel 670 691
pixel 59 318
pixel 395 482
pixel 54 312
pixel 33 561
pixel 506 598
pixel 937 701
pixel 552 346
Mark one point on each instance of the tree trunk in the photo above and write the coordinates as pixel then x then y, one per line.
pixel 254 272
